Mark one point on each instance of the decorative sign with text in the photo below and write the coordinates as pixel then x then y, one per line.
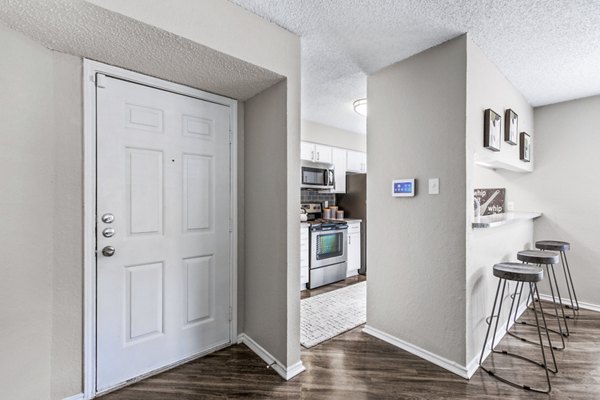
pixel 491 201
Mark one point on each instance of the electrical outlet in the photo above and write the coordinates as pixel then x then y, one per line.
pixel 434 186
pixel 510 206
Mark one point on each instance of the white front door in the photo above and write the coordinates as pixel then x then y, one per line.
pixel 163 173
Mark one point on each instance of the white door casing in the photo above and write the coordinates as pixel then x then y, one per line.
pixel 164 172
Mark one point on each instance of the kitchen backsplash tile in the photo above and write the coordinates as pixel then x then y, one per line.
pixel 312 196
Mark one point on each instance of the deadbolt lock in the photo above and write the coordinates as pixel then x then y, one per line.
pixel 108 251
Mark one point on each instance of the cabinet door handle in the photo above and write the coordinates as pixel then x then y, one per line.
pixel 349 239
pixel 317 156
pixel 312 155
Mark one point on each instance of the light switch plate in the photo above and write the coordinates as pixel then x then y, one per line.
pixel 434 186
pixel 511 206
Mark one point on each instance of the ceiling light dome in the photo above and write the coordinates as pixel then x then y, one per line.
pixel 360 107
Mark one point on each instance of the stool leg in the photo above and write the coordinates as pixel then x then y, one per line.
pixel 533 287
pixel 562 309
pixel 487 334
pixel 513 300
pixel 499 313
pixel 567 270
pixel 533 300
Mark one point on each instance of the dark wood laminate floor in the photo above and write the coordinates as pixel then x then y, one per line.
pixel 357 366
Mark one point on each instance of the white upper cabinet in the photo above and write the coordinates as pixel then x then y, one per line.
pixel 339 163
pixel 344 160
pixel 316 152
pixel 307 151
pixel 324 154
pixel 357 162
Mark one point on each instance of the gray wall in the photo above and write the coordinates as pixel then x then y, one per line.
pixel 266 45
pixel 566 149
pixel 416 129
pixel 319 133
pixel 41 288
pixel 265 244
pixel 241 209
pixel 40 208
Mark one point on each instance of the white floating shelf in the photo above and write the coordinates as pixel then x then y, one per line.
pixel 492 221
pixel 498 164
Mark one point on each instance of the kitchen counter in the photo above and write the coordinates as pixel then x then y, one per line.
pixel 349 220
pixel 492 221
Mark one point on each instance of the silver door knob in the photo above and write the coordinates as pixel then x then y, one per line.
pixel 108 251
pixel 108 232
pixel 108 218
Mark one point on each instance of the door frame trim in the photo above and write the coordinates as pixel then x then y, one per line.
pixel 90 69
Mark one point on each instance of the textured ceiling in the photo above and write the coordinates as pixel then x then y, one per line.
pixel 549 49
pixel 80 28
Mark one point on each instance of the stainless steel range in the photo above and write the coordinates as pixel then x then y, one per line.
pixel 328 248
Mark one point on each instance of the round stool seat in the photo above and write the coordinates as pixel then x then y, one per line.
pixel 512 271
pixel 538 257
pixel 554 245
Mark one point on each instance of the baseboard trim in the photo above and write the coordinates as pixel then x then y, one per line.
pixel 451 366
pixel 79 396
pixel 585 306
pixel 473 365
pixel 286 373
pixel 465 372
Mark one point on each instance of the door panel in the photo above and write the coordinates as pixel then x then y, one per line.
pixel 145 183
pixel 163 171
pixel 144 301
pixel 197 187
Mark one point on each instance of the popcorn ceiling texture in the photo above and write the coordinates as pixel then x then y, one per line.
pixel 83 29
pixel 549 50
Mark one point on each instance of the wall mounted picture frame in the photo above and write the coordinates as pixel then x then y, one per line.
pixel 525 147
pixel 511 127
pixel 492 132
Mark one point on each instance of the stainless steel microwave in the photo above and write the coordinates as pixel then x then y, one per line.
pixel 317 176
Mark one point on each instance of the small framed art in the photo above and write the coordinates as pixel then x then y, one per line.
pixel 511 126
pixel 491 130
pixel 525 148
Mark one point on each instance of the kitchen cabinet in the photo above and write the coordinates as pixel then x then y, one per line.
pixel 315 152
pixel 356 162
pixel 324 153
pixel 304 256
pixel 339 163
pixel 353 248
pixel 307 151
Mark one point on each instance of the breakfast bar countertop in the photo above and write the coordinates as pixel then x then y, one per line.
pixel 492 221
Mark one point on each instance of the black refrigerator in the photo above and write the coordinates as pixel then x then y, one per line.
pixel 354 204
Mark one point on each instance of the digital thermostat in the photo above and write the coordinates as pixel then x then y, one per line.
pixel 403 188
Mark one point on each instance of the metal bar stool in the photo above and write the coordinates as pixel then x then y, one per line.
pixel 519 273
pixel 562 248
pixel 548 259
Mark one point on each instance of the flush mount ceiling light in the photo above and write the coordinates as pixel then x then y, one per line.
pixel 360 107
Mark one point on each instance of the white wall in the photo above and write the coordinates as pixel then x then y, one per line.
pixel 416 129
pixel 40 209
pixel 331 136
pixel 567 139
pixel 488 88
